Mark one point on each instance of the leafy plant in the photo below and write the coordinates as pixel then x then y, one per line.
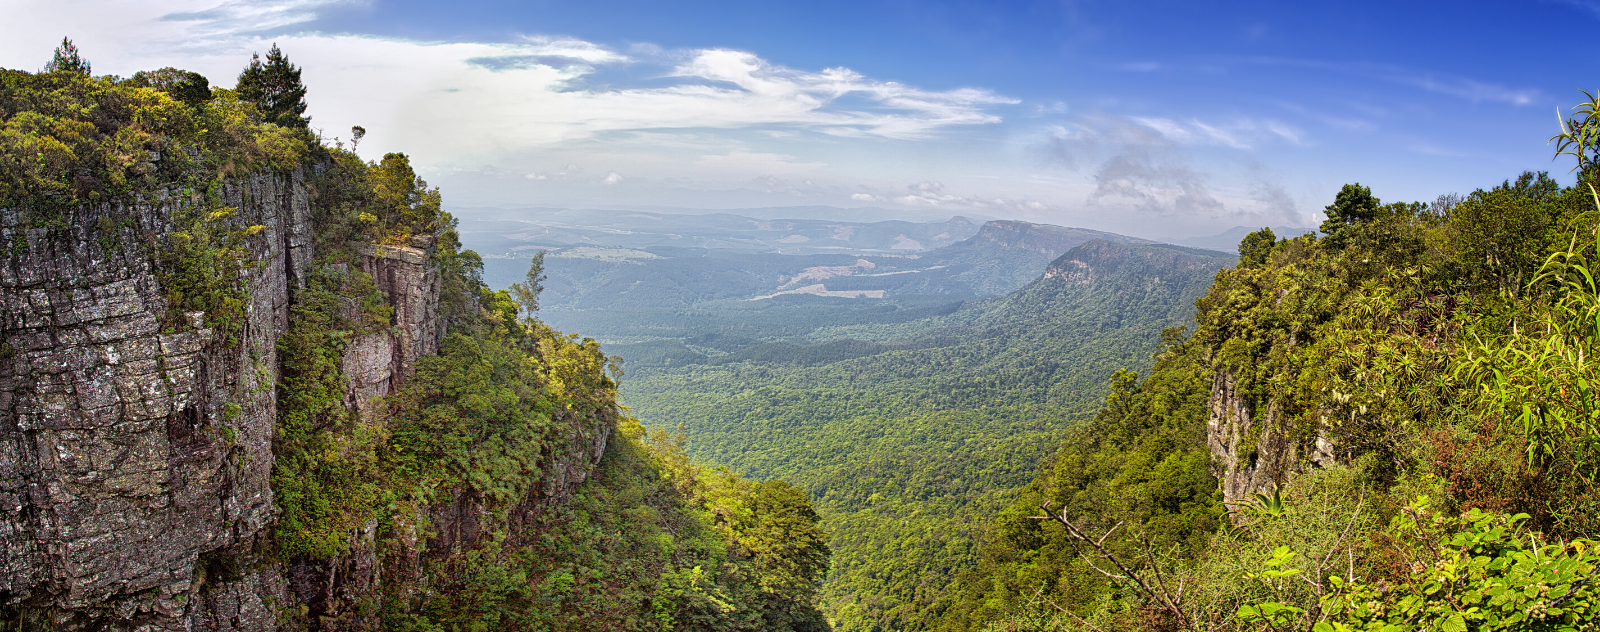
pixel 1263 506
pixel 1478 571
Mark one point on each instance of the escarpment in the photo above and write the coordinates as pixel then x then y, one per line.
pixel 136 451
pixel 377 362
pixel 137 443
pixel 1048 240
pixel 251 381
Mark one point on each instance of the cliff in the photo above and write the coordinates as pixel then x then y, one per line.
pixel 134 457
pixel 377 362
pixel 251 382
pixel 1254 452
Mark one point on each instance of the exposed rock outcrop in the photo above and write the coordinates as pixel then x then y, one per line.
pixel 134 456
pixel 1254 451
pixel 136 453
pixel 379 362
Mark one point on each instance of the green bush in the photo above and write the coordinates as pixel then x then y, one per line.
pixel 1476 571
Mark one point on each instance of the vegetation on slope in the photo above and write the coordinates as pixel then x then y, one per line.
pixel 908 448
pixel 1441 350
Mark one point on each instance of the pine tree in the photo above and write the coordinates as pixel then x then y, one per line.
pixel 67 59
pixel 275 88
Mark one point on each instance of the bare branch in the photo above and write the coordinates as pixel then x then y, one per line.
pixel 1040 593
pixel 1166 595
pixel 1575 587
pixel 1162 598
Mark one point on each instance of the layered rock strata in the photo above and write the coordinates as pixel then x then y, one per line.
pixel 136 455
pixel 136 452
pixel 378 362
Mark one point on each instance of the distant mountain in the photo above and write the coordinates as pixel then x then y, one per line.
pixel 603 260
pixel 831 213
pixel 1228 241
pixel 1004 256
pixel 1120 282
pixel 1045 239
pixel 506 232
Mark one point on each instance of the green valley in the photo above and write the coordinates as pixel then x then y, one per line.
pixel 910 429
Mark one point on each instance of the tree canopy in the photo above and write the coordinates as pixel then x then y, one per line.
pixel 67 59
pixel 275 88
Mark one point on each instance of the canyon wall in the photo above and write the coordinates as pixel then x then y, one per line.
pixel 135 456
pixel 136 452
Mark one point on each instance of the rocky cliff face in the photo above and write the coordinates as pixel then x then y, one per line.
pixel 1253 451
pixel 379 362
pixel 135 459
pixel 136 455
pixel 336 591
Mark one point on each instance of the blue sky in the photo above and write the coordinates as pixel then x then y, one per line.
pixel 1159 119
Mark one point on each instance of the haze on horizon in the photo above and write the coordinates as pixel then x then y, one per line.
pixel 1156 119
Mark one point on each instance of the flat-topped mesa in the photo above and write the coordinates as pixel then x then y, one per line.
pixel 379 362
pixel 1099 257
pixel 1044 239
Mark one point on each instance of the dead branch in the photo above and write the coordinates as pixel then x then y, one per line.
pixel 1040 593
pixel 1164 598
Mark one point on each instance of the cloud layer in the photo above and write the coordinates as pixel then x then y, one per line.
pixel 454 100
pixel 1139 167
pixel 565 121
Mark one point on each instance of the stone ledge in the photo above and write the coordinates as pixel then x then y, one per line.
pixel 412 256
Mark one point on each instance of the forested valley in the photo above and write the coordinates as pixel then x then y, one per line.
pixel 254 380
pixel 1386 423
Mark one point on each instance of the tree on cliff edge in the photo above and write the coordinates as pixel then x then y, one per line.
pixel 67 59
pixel 276 90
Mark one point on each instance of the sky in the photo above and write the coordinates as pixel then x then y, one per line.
pixel 1155 119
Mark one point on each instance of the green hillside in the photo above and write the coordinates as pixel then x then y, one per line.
pixel 443 507
pixel 1402 409
pixel 908 447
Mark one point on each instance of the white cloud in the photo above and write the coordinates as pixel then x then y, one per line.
pixel 1242 133
pixel 1468 89
pixel 465 102
pixel 1450 85
pixel 1142 169
pixel 241 16
pixel 932 194
pixel 613 178
pixel 863 197
pixel 747 162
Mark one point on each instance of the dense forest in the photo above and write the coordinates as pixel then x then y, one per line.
pixel 911 435
pixel 454 487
